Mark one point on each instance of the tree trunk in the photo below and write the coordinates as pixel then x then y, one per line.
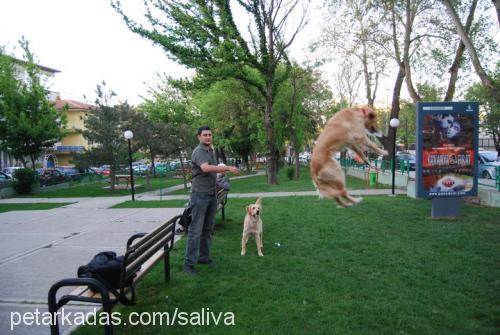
pixel 223 156
pixel 272 161
pixel 153 165
pixel 369 97
pixel 410 16
pixel 33 163
pixel 184 179
pixel 455 67
pixel 497 6
pixel 395 109
pixel 247 164
pixel 296 154
pixel 485 79
pixel 112 179
pixel 217 155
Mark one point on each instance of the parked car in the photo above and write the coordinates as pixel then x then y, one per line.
pixel 88 171
pixel 488 164
pixel 140 168
pixel 50 177
pixel 5 180
pixel 69 172
pixel 10 170
pixel 407 158
pixel 103 170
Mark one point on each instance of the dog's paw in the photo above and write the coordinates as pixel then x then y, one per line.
pixel 261 254
pixel 384 153
pixel 242 253
pixel 358 200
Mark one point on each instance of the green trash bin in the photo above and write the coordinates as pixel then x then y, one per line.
pixel 373 178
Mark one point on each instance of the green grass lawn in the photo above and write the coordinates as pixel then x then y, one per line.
pixel 259 184
pixel 98 189
pixel 30 207
pixel 383 267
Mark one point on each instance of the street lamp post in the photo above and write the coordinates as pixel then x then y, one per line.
pixel 128 134
pixel 394 124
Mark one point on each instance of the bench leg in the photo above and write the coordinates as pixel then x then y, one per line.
pixel 166 264
pixel 223 214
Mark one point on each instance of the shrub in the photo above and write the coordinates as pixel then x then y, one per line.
pixel 290 172
pixel 24 180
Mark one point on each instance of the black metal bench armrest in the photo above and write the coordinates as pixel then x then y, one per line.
pixel 91 283
pixel 133 237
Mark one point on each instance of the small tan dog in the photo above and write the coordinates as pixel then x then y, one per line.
pixel 346 129
pixel 252 225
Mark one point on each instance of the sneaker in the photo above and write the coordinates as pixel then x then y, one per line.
pixel 189 270
pixel 179 231
pixel 210 263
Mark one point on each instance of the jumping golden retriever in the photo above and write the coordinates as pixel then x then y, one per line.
pixel 252 225
pixel 346 129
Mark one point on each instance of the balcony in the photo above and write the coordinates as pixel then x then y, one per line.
pixel 68 148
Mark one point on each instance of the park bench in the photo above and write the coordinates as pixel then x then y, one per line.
pixel 143 251
pixel 222 201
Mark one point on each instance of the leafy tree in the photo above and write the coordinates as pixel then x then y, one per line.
pixel 486 80
pixel 297 118
pixel 203 35
pixel 171 108
pixel 149 135
pixel 347 32
pixel 29 123
pixel 104 131
pixel 231 108
pixel 490 109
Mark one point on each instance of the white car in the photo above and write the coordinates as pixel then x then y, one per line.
pixel 488 164
pixel 9 171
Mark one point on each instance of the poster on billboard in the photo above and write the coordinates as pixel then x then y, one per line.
pixel 447 137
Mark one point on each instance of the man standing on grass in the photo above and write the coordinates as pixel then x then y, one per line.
pixel 203 200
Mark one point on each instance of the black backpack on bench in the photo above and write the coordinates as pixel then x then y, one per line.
pixel 106 268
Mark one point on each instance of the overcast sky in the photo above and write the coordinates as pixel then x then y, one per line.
pixel 88 42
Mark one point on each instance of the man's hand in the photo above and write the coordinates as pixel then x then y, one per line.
pixel 234 170
pixel 207 168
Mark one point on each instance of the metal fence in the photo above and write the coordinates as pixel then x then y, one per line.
pixel 402 166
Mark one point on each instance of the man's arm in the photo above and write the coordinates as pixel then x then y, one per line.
pixel 207 168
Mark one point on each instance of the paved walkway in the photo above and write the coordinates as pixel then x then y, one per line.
pixel 37 248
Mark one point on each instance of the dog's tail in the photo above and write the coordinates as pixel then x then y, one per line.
pixel 259 201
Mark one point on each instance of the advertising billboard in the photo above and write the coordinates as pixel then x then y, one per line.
pixel 447 137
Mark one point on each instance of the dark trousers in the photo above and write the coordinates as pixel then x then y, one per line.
pixel 204 208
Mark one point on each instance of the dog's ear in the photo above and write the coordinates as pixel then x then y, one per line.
pixel 367 112
pixel 259 201
pixel 249 209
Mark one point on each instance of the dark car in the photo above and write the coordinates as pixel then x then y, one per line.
pixel 50 177
pixel 70 172
pixel 5 180
pixel 407 159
